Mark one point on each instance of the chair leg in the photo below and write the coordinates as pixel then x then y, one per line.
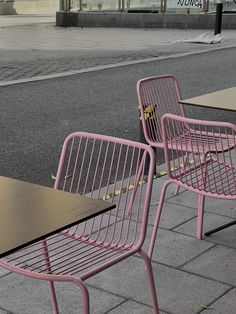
pixel 157 218
pixel 53 297
pixel 176 192
pixel 201 204
pixel 151 282
pixel 84 290
pixel 85 294
pixel 51 284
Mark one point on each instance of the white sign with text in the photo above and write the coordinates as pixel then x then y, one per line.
pixel 184 4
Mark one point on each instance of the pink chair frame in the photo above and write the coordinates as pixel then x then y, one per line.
pixel 212 175
pixel 96 166
pixel 159 95
pixel 163 94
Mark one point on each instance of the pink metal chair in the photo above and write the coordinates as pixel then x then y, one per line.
pixel 214 174
pixel 157 96
pixel 104 167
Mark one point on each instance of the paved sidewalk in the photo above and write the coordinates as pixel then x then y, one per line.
pixel 31 46
pixel 191 276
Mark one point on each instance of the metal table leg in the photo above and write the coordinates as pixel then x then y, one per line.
pixel 229 224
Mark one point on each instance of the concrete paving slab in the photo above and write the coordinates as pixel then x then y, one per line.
pixel 22 295
pixel 132 307
pixel 172 215
pixel 226 304
pixel 175 249
pixel 221 207
pixel 218 206
pixel 3 272
pixel 178 292
pixel 184 198
pixel 218 263
pixel 157 186
pixel 185 293
pixel 224 237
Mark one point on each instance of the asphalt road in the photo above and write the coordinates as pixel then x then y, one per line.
pixel 37 116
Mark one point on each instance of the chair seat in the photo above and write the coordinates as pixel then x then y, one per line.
pixel 68 256
pixel 211 177
pixel 204 141
pixel 200 141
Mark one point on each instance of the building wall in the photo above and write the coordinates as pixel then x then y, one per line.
pixel 8 7
pixel 143 20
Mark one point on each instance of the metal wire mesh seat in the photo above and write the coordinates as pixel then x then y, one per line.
pixel 104 167
pixel 214 174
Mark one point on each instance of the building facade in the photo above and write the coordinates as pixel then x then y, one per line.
pixel 131 6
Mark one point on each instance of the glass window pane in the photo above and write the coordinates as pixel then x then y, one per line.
pixel 95 5
pixel 183 6
pixel 143 5
pixel 229 5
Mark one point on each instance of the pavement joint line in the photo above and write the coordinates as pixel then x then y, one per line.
pixel 230 286
pixel 209 306
pixel 109 66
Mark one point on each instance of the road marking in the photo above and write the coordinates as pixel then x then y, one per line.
pixel 108 66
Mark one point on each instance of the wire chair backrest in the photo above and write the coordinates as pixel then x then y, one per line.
pixel 190 159
pixel 112 169
pixel 156 96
